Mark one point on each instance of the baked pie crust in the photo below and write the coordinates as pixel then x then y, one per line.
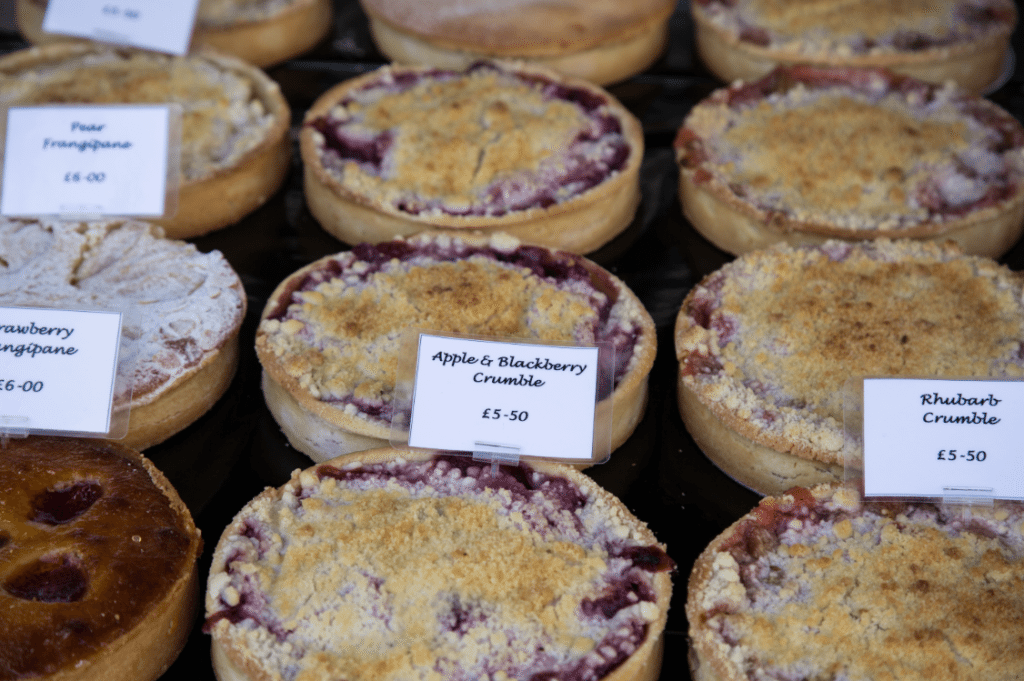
pixel 966 41
pixel 397 565
pixel 235 149
pixel 183 310
pixel 816 584
pixel 602 41
pixel 260 32
pixel 98 559
pixel 808 154
pixel 766 343
pixel 330 334
pixel 498 147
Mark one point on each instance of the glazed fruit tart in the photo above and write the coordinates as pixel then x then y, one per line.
pixel 183 310
pixel 816 584
pixel 260 32
pixel 234 150
pixel 330 335
pixel 806 154
pixel 966 41
pixel 97 563
pixel 497 147
pixel 392 566
pixel 602 41
pixel 766 344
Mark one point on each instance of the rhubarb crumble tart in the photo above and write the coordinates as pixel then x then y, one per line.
pixel 497 147
pixel 766 344
pixel 818 584
pixel 260 32
pixel 807 154
pixel 330 334
pixel 429 567
pixel 98 556
pixel 234 149
pixel 182 310
pixel 602 41
pixel 966 41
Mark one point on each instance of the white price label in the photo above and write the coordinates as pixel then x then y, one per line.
pixel 58 367
pixel 538 399
pixel 160 25
pixel 86 160
pixel 943 438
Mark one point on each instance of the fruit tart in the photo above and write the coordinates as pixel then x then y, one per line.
pixel 966 41
pixel 182 310
pixel 395 565
pixel 497 147
pixel 807 154
pixel 234 149
pixel 766 343
pixel 330 334
pixel 817 584
pixel 97 563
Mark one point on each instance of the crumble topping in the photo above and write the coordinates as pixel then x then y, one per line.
pixel 854 27
pixel 818 585
pixel 436 569
pixel 769 340
pixel 338 328
pixel 866 151
pixel 179 305
pixel 486 141
pixel 223 116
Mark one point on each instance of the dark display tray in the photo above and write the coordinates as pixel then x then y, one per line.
pixel 233 452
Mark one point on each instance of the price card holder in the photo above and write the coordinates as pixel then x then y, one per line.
pixel 958 441
pixel 64 372
pixel 91 162
pixel 159 25
pixel 503 400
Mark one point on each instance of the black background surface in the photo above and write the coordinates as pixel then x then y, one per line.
pixel 233 452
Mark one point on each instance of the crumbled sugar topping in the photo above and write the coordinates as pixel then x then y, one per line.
pixel 338 332
pixel 770 339
pixel 180 305
pixel 859 156
pixel 482 142
pixel 879 591
pixel 223 116
pixel 227 12
pixel 849 27
pixel 433 570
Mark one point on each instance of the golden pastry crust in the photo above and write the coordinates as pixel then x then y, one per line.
pixel 600 41
pixel 330 335
pixel 933 40
pixel 262 33
pixel 766 343
pixel 235 148
pixel 99 582
pixel 818 584
pixel 382 564
pixel 183 310
pixel 499 147
pixel 807 154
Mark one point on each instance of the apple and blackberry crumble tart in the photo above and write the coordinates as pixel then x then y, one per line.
pixel 497 147
pixel 602 41
pixel 966 41
pixel 807 154
pixel 260 32
pixel 98 559
pixel 182 310
pixel 407 566
pixel 234 148
pixel 766 343
pixel 330 334
pixel 818 584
